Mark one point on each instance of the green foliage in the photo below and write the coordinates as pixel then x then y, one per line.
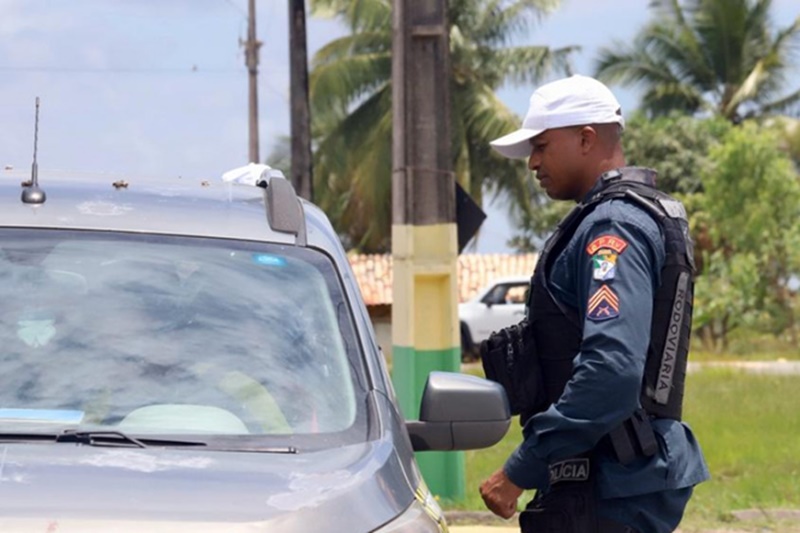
pixel 722 302
pixel 534 225
pixel 280 156
pixel 676 146
pixel 722 56
pixel 748 214
pixel 790 138
pixel 350 86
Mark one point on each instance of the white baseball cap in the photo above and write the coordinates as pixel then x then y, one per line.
pixel 574 101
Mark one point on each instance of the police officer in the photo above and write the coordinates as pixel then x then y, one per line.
pixel 610 315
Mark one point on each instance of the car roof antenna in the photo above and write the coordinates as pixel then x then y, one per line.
pixel 32 194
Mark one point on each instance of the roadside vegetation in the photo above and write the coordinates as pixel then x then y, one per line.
pixel 747 425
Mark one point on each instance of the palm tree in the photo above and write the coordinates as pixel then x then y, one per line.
pixel 719 56
pixel 352 109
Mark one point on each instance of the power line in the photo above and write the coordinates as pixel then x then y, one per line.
pixel 194 69
pixel 241 11
pixel 267 84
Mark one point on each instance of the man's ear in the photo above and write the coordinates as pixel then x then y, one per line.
pixel 588 139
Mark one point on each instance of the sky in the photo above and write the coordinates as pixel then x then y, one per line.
pixel 158 88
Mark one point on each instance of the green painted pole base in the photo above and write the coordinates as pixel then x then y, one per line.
pixel 443 471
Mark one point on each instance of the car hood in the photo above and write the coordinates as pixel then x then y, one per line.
pixel 71 488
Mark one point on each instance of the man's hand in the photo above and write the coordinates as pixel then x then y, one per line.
pixel 500 494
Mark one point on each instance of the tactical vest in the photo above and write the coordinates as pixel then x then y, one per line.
pixel 558 330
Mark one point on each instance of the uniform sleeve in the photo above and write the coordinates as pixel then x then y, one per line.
pixel 617 267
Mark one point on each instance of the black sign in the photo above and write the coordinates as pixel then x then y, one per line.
pixel 469 217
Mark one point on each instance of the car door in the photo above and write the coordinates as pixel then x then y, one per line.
pixel 505 305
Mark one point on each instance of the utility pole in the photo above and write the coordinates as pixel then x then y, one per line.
pixel 251 46
pixel 425 333
pixel 301 114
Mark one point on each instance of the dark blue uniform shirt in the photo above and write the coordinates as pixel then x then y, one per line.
pixel 613 293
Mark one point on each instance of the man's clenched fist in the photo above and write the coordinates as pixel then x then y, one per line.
pixel 500 494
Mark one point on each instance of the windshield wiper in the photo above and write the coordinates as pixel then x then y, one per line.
pixel 114 438
pixel 95 438
pixel 118 438
pixel 99 438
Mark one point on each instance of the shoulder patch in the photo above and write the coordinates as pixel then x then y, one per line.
pixel 604 265
pixel 603 304
pixel 611 242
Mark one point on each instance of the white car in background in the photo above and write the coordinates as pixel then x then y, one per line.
pixel 496 306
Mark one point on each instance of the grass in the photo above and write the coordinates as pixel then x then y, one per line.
pixel 700 356
pixel 748 427
pixel 750 346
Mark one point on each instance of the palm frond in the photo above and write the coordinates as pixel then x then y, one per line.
pixel 788 104
pixel 722 27
pixel 787 40
pixel 499 22
pixel 357 43
pixel 353 164
pixel 748 90
pixel 671 10
pixel 529 64
pixel 632 65
pixel 665 98
pixel 766 76
pixel 679 49
pixel 359 15
pixel 486 118
pixel 333 87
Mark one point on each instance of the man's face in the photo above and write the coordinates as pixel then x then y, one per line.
pixel 556 158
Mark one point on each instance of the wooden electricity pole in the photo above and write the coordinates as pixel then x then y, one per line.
pixel 424 235
pixel 301 114
pixel 251 46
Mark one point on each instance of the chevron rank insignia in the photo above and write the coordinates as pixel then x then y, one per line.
pixel 603 304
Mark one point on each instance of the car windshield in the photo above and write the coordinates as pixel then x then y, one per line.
pixel 176 335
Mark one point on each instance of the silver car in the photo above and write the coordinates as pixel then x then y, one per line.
pixel 195 356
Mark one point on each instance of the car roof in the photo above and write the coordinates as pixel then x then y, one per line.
pixel 511 279
pixel 176 206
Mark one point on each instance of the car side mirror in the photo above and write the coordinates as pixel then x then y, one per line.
pixel 459 412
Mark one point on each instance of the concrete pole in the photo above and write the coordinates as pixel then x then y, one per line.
pixel 424 236
pixel 251 47
pixel 301 114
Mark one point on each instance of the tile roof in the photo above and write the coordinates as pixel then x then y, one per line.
pixel 374 273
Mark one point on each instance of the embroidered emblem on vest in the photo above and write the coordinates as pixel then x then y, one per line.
pixel 611 242
pixel 603 304
pixel 570 470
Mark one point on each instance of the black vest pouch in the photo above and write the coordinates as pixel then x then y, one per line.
pixel 509 358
